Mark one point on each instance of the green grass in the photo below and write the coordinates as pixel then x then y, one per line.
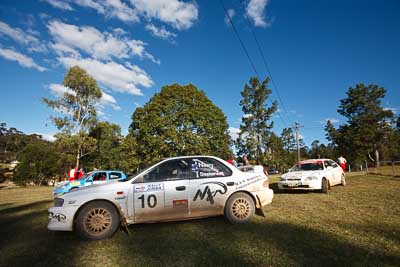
pixel 386 170
pixel 356 225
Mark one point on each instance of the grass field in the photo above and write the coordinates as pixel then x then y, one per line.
pixel 356 225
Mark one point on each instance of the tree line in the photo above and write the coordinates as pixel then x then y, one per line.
pixel 182 120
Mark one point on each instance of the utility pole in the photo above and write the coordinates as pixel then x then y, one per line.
pixel 296 127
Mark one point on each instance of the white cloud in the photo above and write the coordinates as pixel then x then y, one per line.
pixel 234 133
pixel 70 38
pixel 394 110
pixel 255 11
pixel 231 14
pixel 180 15
pixel 21 37
pixel 106 99
pixel 160 32
pixel 48 137
pixel 111 8
pixel 22 59
pixel 109 100
pixel 59 4
pixel 118 77
pixel 59 90
pixel 332 120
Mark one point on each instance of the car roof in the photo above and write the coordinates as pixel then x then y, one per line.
pixel 312 161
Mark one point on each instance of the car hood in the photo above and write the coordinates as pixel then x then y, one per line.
pixel 300 174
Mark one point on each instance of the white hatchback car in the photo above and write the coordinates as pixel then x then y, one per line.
pixel 178 188
pixel 313 174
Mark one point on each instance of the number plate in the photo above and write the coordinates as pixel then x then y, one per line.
pixel 292 184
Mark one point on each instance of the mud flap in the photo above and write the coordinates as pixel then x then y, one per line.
pixel 259 210
pixel 124 223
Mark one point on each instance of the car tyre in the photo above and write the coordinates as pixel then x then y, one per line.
pixel 97 220
pixel 239 208
pixel 324 186
pixel 343 180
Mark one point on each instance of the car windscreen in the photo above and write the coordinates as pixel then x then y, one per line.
pixel 307 167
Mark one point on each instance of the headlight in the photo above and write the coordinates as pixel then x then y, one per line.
pixel 58 202
pixel 283 178
pixel 309 178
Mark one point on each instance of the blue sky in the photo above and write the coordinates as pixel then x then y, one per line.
pixel 315 50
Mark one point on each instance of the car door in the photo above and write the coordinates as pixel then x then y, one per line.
pixel 210 185
pixel 329 172
pixel 162 193
pixel 337 172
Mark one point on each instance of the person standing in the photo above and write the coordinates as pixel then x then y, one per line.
pixel 245 161
pixel 72 174
pixel 342 162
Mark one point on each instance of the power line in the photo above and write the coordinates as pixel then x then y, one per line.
pixel 240 39
pixel 246 52
pixel 263 58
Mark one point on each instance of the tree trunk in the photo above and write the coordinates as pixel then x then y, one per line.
pixel 377 158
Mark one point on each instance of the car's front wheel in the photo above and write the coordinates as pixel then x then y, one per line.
pixel 324 186
pixel 239 208
pixel 97 220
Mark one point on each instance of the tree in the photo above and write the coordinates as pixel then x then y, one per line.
pixel 179 120
pixel 367 123
pixel 255 129
pixel 107 153
pixel 128 153
pixel 79 113
pixel 38 162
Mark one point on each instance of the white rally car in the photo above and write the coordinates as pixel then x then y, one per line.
pixel 313 174
pixel 178 188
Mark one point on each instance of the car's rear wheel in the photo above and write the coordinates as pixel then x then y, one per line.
pixel 343 180
pixel 97 220
pixel 324 186
pixel 239 208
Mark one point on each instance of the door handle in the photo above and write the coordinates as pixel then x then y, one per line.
pixel 180 188
pixel 230 183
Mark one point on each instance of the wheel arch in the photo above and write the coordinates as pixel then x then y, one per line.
pixel 96 200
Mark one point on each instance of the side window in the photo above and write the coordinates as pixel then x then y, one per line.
pixel 333 164
pixel 100 176
pixel 209 168
pixel 169 171
pixel 327 164
pixel 115 175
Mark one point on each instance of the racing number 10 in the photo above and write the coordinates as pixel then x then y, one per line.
pixel 151 201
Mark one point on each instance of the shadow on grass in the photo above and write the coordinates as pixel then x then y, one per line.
pixel 275 188
pixel 25 240
pixel 212 242
pixel 215 242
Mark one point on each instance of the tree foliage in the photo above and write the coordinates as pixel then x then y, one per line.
pixel 367 123
pixel 179 120
pixel 256 127
pixel 107 151
pixel 38 163
pixel 78 106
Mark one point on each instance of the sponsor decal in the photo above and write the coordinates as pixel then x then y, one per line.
pixel 149 187
pixel 222 189
pixel 58 216
pixel 246 182
pixel 211 174
pixel 180 203
pixel 75 183
pixel 119 198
